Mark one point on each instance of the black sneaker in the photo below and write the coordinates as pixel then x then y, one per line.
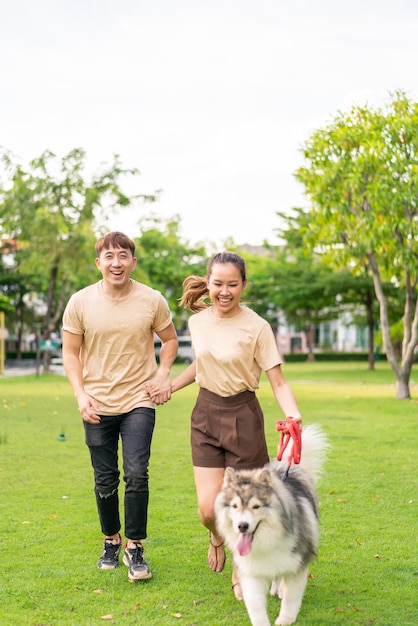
pixel 110 556
pixel 133 557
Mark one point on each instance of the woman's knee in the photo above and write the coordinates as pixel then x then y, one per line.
pixel 206 512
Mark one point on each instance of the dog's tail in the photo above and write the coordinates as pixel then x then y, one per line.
pixel 315 447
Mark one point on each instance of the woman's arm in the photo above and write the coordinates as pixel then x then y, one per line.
pixel 186 377
pixel 283 393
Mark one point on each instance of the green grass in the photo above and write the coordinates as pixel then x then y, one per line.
pixel 366 571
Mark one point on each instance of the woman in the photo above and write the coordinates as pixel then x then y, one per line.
pixel 232 345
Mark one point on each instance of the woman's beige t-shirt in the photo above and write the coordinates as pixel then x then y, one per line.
pixel 232 352
pixel 117 353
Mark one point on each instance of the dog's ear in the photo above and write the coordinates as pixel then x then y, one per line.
pixel 265 477
pixel 229 476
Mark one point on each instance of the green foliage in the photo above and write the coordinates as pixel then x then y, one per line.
pixel 261 290
pixel 164 259
pixel 309 291
pixel 347 357
pixel 396 336
pixel 295 280
pixel 50 539
pixel 361 174
pixel 361 177
pixel 5 304
pixel 49 213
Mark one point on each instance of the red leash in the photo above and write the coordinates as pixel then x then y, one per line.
pixel 290 429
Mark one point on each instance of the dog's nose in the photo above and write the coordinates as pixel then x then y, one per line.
pixel 243 527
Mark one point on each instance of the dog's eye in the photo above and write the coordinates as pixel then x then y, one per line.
pixel 256 506
pixel 234 506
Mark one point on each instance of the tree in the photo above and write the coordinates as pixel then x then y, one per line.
pixel 306 293
pixel 164 260
pixel 50 213
pixel 261 289
pixel 361 175
pixel 349 290
pixel 296 283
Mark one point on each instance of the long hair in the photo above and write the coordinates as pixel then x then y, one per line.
pixel 195 289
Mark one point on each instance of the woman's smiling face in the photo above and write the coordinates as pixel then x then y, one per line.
pixel 225 286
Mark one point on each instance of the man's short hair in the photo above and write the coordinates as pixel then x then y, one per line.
pixel 115 239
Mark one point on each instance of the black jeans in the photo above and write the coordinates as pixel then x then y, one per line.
pixel 135 430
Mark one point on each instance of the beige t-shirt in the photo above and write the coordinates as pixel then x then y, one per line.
pixel 232 352
pixel 117 353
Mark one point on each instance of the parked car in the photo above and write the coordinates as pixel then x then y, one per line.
pixel 185 353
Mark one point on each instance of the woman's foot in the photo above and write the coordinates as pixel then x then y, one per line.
pixel 216 554
pixel 236 587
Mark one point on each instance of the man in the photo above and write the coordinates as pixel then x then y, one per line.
pixel 108 356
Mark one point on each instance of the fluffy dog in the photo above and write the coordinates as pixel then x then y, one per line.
pixel 270 524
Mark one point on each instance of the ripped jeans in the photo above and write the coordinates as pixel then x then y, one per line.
pixel 135 430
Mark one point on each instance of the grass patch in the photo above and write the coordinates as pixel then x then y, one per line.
pixel 50 541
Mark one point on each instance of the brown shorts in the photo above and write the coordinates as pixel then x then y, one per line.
pixel 228 431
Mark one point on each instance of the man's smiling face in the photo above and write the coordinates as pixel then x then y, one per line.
pixel 116 266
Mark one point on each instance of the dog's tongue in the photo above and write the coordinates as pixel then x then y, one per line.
pixel 244 544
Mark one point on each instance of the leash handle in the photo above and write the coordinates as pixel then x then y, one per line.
pixel 290 429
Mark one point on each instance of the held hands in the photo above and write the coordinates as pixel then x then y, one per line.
pixel 153 392
pixel 159 389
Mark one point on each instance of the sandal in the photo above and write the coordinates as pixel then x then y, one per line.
pixel 218 561
pixel 236 586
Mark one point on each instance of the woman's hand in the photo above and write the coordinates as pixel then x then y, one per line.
pixel 157 395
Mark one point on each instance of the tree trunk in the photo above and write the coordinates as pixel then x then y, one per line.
pixel 20 310
pixel 403 372
pixel 370 325
pixel 60 304
pixel 310 334
pixel 49 308
pixel 402 387
pixel 46 360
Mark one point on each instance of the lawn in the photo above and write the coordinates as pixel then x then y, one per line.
pixel 366 571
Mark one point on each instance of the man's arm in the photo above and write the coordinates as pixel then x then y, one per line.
pixel 169 347
pixel 71 346
pixel 168 353
pixel 186 377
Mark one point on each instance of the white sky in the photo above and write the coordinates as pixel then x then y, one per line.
pixel 210 99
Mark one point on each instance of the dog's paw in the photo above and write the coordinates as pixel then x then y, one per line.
pixel 276 588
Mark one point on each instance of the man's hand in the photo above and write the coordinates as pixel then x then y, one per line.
pixel 159 388
pixel 88 409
